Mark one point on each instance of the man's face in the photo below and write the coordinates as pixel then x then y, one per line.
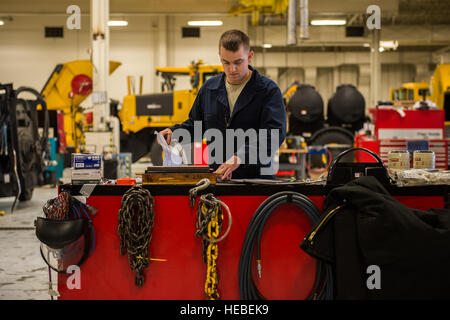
pixel 235 64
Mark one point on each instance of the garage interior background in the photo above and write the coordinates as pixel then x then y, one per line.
pixel 153 38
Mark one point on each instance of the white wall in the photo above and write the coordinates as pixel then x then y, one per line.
pixel 136 51
pixel 185 50
pixel 287 76
pixel 335 35
pixel 393 74
pixel 335 68
pixel 27 58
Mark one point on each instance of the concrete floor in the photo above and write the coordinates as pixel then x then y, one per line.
pixel 23 273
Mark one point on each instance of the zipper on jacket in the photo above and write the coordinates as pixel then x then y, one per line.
pixel 227 122
pixel 325 219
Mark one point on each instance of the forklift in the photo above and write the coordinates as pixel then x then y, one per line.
pixel 23 151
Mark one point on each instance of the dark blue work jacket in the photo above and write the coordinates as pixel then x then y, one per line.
pixel 259 106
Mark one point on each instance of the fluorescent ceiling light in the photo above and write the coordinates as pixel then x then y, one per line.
pixel 117 23
pixel 267 45
pixel 366 45
pixel 205 23
pixel 334 22
pixel 1 22
pixel 390 44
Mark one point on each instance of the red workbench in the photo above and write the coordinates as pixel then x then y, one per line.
pixel 287 272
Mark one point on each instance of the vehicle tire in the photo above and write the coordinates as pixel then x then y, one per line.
pixel 26 195
pixel 334 135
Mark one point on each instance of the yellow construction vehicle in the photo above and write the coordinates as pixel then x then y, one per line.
pixel 67 87
pixel 410 93
pixel 440 88
pixel 143 114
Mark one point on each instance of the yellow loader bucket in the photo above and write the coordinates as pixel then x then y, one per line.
pixel 58 87
pixel 57 93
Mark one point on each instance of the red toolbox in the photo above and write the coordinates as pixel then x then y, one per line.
pixel 395 123
pixel 287 272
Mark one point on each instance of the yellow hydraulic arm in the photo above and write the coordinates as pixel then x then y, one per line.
pixel 59 95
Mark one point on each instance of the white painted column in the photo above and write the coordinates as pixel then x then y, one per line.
pixel 311 76
pixel 364 83
pixel 160 44
pixel 422 73
pixel 170 41
pixel 336 76
pixel 100 61
pixel 272 73
pixel 375 68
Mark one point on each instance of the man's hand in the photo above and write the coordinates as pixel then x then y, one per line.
pixel 167 133
pixel 228 167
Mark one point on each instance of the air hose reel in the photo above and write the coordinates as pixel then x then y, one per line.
pixel 323 287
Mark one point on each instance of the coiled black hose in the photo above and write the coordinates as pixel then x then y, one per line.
pixel 323 286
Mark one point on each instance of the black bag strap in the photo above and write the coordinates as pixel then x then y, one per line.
pixel 377 169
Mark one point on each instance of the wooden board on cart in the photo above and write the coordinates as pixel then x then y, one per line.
pixel 178 175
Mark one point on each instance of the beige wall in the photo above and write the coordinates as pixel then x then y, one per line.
pixel 27 58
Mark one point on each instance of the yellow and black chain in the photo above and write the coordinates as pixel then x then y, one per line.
pixel 209 224
pixel 136 219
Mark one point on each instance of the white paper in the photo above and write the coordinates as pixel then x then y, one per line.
pixel 174 154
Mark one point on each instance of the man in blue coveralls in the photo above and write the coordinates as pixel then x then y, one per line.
pixel 240 99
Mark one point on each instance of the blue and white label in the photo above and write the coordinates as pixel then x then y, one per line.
pixel 87 161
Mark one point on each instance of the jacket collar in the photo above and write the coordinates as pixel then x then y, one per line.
pixel 252 86
pixel 219 82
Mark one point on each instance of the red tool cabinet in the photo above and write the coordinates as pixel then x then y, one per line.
pixel 287 272
pixel 393 123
